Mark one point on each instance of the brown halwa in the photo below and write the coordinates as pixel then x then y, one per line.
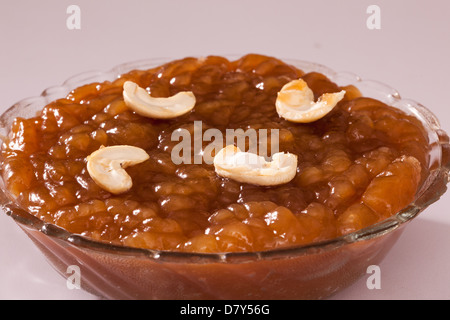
pixel 360 164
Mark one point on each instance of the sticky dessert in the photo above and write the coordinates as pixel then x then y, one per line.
pixel 100 162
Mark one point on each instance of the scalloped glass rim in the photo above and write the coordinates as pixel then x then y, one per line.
pixel 430 191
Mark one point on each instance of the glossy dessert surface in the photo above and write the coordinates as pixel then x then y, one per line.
pixel 360 164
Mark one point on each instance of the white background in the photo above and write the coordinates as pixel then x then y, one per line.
pixel 410 53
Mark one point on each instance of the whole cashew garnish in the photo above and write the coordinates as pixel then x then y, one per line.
pixel 245 167
pixel 106 166
pixel 141 102
pixel 295 102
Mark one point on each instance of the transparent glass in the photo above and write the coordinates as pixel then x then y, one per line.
pixel 303 272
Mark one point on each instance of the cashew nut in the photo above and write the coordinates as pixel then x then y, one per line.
pixel 141 102
pixel 295 102
pixel 245 167
pixel 106 166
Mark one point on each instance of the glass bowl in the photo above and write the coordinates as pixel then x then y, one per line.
pixel 312 271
